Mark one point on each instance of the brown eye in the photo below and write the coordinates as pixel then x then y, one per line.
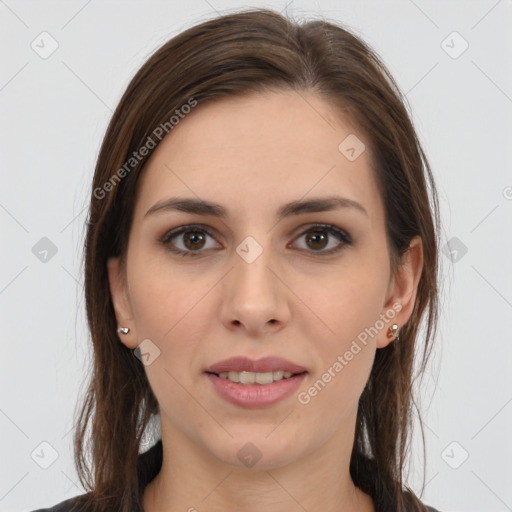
pixel 193 240
pixel 317 238
pixel 188 240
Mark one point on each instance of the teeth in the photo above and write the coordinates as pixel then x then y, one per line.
pixel 255 378
pixel 233 376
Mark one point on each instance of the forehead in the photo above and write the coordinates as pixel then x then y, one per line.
pixel 264 147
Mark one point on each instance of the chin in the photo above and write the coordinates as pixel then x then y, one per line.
pixel 259 451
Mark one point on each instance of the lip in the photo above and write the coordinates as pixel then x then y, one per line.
pixel 245 364
pixel 255 396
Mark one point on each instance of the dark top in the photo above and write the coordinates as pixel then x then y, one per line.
pixel 148 466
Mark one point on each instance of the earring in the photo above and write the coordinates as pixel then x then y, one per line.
pixel 393 332
pixel 123 330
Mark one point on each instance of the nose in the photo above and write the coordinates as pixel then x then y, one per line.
pixel 255 296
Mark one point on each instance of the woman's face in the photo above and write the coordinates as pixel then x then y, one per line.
pixel 254 283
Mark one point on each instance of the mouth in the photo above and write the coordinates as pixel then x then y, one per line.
pixel 260 383
pixel 266 365
pixel 247 378
pixel 255 390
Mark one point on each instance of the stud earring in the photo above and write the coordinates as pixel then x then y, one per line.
pixel 123 330
pixel 393 332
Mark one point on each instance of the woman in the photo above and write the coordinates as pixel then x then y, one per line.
pixel 261 249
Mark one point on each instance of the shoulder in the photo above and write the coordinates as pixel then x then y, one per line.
pixel 428 508
pixel 148 466
pixel 75 504
pixel 411 502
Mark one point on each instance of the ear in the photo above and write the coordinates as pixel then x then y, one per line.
pixel 121 302
pixel 403 288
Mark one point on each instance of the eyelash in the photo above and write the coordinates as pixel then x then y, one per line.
pixel 342 235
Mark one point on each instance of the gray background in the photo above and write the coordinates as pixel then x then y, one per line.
pixel 54 112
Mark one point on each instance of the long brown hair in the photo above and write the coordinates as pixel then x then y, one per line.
pixel 235 54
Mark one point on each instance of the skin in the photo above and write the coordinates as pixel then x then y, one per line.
pixel 252 155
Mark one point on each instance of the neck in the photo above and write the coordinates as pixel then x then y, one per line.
pixel 194 480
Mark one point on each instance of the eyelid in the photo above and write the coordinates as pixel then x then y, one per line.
pixel 327 227
pixel 186 227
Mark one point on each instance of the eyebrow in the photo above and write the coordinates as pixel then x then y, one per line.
pixel 203 207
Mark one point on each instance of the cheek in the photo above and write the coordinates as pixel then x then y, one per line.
pixel 347 301
pixel 168 310
pixel 342 333
pixel 164 295
pixel 344 360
